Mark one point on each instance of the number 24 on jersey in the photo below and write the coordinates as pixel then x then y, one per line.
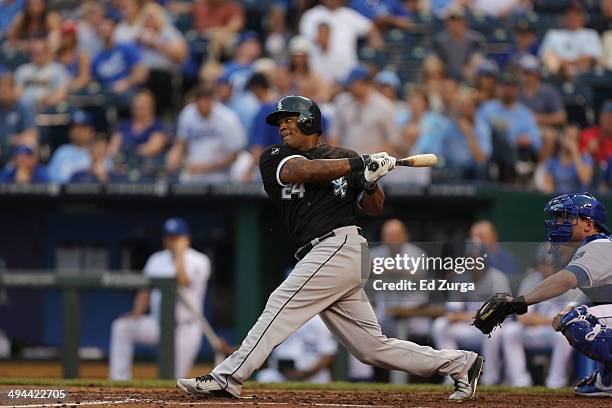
pixel 290 190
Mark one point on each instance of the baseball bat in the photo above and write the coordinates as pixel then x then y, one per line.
pixel 205 326
pixel 418 160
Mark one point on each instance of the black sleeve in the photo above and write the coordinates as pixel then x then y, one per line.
pixel 271 160
pixel 355 179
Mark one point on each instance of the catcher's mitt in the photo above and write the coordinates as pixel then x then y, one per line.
pixel 495 310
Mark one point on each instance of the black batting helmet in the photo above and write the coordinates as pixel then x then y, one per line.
pixel 307 111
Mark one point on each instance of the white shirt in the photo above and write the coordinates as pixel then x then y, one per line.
pixel 210 139
pixel 494 7
pixel 306 347
pixel 38 82
pixel 570 45
pixel 197 266
pixel 346 26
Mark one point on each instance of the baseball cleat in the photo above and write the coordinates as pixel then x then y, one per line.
pixel 202 386
pixel 465 386
pixel 592 386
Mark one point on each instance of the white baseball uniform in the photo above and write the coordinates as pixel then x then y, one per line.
pixel 126 331
pixel 305 348
pixel 516 337
pixel 449 335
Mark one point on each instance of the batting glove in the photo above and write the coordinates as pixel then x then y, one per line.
pixel 377 168
pixel 385 155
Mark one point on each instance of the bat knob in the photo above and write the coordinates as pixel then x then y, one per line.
pixel 373 166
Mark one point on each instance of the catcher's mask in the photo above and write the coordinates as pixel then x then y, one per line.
pixel 562 213
pixel 306 110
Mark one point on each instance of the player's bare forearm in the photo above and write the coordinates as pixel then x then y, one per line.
pixel 141 302
pixel 551 287
pixel 372 204
pixel 300 170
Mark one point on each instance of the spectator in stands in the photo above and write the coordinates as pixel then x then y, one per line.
pixel 432 75
pixel 389 85
pixel 34 21
pixel 455 329
pixel 9 9
pixel 569 171
pixel 533 330
pixel 18 126
pixel 485 81
pixel 220 21
pixel 128 29
pixel 43 83
pixel 261 134
pixel 306 355
pixel 466 143
pixel 525 42
pixel 458 47
pixel 512 122
pixel 386 14
pixel 302 76
pixel 574 49
pixel 244 104
pixel 163 52
pixel 321 57
pixel 543 100
pixel 364 119
pixel 346 26
pixel 240 68
pixel 118 67
pixel 138 143
pixel 423 124
pixel 77 63
pixel 498 257
pixel 450 85
pixel 74 156
pixel 602 21
pixel 92 16
pixel 597 140
pixel 24 168
pixel 210 135
pixel 100 168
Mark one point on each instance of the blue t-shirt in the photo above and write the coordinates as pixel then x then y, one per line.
pixel 455 148
pixel 116 63
pixel 238 74
pixel 8 11
pixel 131 138
pixel 67 160
pixel 9 172
pixel 15 119
pixel 378 8
pixel 514 121
pixel 566 178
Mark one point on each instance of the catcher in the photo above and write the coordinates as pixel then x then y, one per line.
pixel 577 221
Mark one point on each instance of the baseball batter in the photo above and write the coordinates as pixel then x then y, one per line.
pixel 578 221
pixel 318 189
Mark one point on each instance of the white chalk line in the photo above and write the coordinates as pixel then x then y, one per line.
pixel 208 402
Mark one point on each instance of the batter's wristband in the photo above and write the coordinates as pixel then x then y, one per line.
pixel 359 163
pixel 520 307
pixel 370 188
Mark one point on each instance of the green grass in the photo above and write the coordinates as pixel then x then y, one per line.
pixel 336 386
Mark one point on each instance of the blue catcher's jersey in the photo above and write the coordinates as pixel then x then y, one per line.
pixel 592 265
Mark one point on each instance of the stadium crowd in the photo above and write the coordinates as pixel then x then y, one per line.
pixel 516 91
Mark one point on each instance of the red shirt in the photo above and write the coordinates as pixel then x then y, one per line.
pixel 603 152
pixel 209 14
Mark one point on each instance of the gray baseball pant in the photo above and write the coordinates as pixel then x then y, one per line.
pixel 328 281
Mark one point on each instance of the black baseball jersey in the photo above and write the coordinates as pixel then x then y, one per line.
pixel 310 210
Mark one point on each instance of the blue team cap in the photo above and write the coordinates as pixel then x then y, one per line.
pixel 359 73
pixel 80 117
pixel 388 78
pixel 247 35
pixel 23 149
pixel 487 67
pixel 175 226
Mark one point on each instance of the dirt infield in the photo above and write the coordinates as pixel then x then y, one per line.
pixel 164 397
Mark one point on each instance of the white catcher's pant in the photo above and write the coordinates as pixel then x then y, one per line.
pixel 516 338
pixel 328 282
pixel 127 331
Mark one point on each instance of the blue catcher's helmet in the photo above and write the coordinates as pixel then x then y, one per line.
pixel 562 213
